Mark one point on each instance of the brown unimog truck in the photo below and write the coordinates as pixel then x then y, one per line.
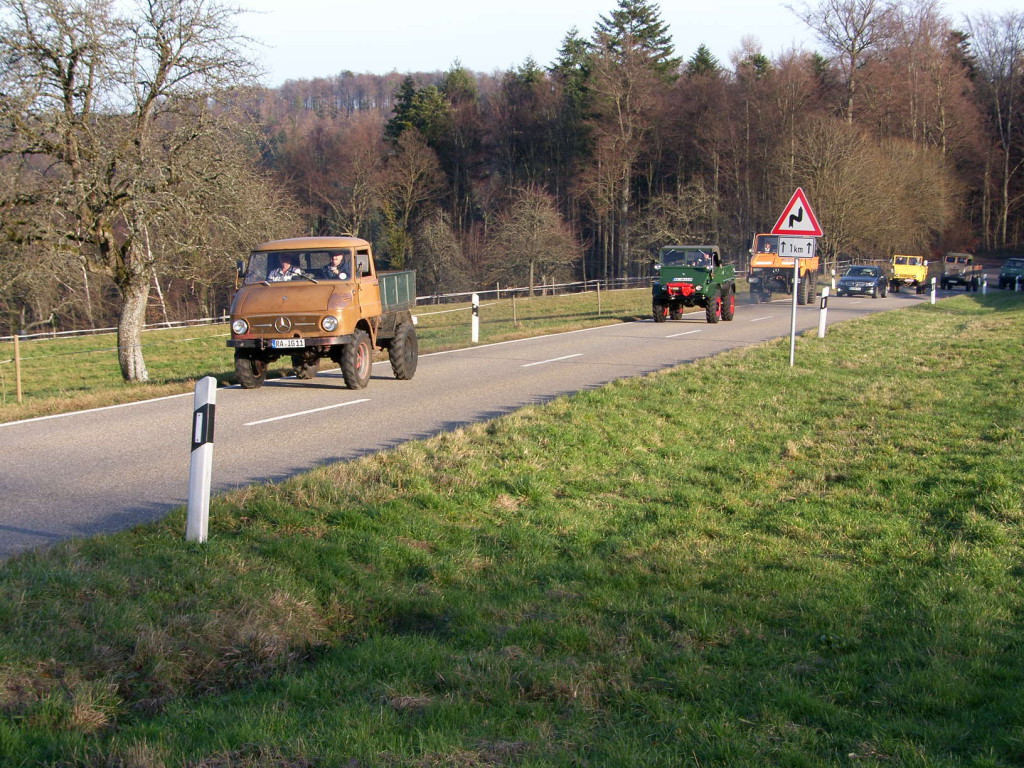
pixel 311 298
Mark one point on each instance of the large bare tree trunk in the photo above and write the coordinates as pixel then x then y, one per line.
pixel 134 299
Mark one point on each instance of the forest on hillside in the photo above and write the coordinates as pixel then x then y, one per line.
pixel 140 159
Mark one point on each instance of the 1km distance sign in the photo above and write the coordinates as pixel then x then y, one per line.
pixel 797 247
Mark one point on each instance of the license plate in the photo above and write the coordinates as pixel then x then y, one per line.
pixel 287 343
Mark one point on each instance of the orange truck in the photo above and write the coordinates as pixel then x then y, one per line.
pixel 770 273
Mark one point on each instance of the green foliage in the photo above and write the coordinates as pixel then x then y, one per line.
pixel 426 109
pixel 703 63
pixel 637 25
pixel 829 576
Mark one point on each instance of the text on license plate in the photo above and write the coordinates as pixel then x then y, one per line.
pixel 287 343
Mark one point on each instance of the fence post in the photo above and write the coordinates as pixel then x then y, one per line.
pixel 476 318
pixel 201 469
pixel 599 299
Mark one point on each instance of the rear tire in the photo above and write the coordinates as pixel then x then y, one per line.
pixel 304 369
pixel 404 352
pixel 251 371
pixel 357 361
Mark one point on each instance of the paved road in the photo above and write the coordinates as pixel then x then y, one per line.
pixel 109 469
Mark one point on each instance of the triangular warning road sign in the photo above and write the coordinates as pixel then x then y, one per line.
pixel 797 218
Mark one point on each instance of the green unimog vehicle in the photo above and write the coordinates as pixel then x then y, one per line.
pixel 693 276
pixel 1012 273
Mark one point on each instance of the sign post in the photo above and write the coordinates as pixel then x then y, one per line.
pixel 798 229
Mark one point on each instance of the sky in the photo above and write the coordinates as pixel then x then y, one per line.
pixel 303 39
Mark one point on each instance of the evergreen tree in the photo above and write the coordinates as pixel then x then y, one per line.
pixel 636 25
pixel 425 109
pixel 703 63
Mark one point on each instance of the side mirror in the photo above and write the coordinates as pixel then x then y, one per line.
pixel 240 268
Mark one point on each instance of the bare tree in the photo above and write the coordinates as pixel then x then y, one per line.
pixel 998 48
pixel 531 240
pixel 107 111
pixel 411 179
pixel 851 29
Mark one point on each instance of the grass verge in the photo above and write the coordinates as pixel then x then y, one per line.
pixel 731 563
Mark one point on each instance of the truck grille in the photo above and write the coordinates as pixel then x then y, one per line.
pixel 284 325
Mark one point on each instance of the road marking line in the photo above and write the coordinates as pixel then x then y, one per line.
pixel 759 319
pixel 95 410
pixel 303 413
pixel 684 333
pixel 553 360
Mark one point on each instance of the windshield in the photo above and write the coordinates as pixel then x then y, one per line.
pixel 861 272
pixel 910 261
pixel 276 266
pixel 1015 263
pixel 767 244
pixel 686 257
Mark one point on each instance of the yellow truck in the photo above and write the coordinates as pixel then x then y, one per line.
pixel 770 273
pixel 911 271
pixel 310 298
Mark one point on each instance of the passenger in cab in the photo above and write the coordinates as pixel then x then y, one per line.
pixel 338 268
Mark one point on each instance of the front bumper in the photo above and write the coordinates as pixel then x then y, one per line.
pixel 856 287
pixel 263 344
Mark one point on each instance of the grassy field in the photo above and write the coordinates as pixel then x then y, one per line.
pixel 733 563
pixel 67 374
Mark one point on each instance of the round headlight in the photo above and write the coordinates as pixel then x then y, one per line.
pixel 239 327
pixel 330 323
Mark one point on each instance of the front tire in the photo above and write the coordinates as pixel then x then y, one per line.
pixel 404 352
pixel 713 309
pixel 729 305
pixel 357 361
pixel 659 312
pixel 251 371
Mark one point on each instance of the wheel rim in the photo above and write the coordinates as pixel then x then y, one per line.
pixel 363 360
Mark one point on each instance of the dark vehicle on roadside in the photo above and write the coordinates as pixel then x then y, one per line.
pixel 1011 272
pixel 863 281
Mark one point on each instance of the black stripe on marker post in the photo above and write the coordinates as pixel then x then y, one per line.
pixel 202 425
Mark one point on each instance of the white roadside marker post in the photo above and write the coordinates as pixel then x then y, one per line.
pixel 201 469
pixel 823 314
pixel 476 318
pixel 933 290
pixel 984 284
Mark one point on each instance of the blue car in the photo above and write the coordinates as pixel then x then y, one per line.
pixel 863 281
